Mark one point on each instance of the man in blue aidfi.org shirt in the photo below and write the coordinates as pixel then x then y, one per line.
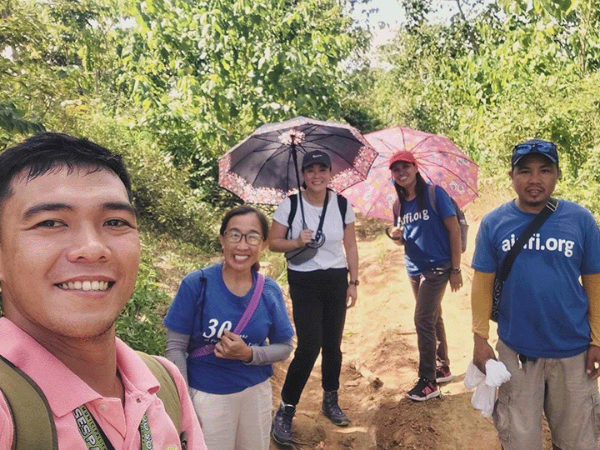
pixel 548 322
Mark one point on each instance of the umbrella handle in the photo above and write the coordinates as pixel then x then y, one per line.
pixel 387 231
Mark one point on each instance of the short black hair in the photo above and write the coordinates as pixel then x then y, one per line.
pixel 242 211
pixel 44 152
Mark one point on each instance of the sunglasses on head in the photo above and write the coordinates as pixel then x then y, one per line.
pixel 541 147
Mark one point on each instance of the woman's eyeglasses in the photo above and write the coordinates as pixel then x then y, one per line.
pixel 234 236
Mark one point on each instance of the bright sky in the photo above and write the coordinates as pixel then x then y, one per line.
pixel 392 13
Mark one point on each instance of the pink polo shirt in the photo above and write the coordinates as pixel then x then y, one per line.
pixel 65 391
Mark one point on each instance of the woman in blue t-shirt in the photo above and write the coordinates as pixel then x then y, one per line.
pixel 227 369
pixel 432 248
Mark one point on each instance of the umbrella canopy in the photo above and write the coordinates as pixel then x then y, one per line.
pixel 439 161
pixel 263 168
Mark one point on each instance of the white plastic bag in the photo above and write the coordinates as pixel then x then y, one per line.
pixel 486 385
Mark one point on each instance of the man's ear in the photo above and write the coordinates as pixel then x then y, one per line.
pixel 510 173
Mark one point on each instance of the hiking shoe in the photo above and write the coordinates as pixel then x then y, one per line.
pixel 281 431
pixel 332 411
pixel 423 390
pixel 443 375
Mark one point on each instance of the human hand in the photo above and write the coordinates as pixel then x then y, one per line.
pixel 304 238
pixel 482 351
pixel 456 281
pixel 232 346
pixel 351 296
pixel 592 359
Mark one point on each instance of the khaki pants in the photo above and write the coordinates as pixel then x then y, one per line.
pixel 560 388
pixel 239 421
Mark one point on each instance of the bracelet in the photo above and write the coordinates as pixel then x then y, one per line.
pixel 455 271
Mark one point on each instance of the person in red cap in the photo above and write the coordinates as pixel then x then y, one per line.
pixel 432 247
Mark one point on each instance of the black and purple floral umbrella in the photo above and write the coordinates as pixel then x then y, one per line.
pixel 263 168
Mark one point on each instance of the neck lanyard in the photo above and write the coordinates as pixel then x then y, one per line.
pixel 94 437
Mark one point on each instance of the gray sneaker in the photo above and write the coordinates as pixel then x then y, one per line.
pixel 332 411
pixel 282 425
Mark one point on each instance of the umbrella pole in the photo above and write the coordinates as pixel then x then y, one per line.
pixel 295 159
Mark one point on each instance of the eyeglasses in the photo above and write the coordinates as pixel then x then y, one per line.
pixel 234 236
pixel 542 147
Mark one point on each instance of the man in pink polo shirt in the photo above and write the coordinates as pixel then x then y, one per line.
pixel 69 257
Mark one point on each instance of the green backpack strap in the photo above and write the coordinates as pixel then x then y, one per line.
pixel 28 406
pixel 168 392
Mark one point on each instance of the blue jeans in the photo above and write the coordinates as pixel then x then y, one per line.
pixel 429 288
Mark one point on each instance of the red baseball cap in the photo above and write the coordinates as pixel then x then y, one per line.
pixel 403 155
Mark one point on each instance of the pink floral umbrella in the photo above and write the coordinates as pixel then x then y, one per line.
pixel 439 161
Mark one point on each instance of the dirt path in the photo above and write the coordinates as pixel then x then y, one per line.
pixel 380 337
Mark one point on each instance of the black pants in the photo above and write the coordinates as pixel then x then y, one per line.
pixel 429 288
pixel 319 303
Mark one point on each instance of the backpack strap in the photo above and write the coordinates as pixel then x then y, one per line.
pixel 431 189
pixel 168 392
pixel 343 205
pixel 292 214
pixel 28 406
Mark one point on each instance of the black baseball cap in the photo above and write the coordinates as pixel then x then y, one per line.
pixel 316 157
pixel 545 148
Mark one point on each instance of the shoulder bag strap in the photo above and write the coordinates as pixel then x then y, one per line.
pixel 535 225
pixel 292 214
pixel 258 289
pixel 322 220
pixel 246 316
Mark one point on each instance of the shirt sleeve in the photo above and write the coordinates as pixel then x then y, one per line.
pixel 443 203
pixel 484 257
pixel 177 345
pixel 180 317
pixel 481 302
pixel 269 354
pixel 189 419
pixel 591 285
pixel 281 329
pixel 6 425
pixel 282 212
pixel 591 257
pixel 350 215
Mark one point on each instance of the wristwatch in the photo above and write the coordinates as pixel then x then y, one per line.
pixel 355 282
pixel 455 270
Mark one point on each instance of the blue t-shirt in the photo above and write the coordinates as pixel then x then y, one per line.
pixel 222 310
pixel 543 308
pixel 426 239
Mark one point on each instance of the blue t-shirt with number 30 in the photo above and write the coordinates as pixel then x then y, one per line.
pixel 221 310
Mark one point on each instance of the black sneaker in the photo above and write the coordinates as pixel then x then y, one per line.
pixel 424 390
pixel 281 431
pixel 443 375
pixel 332 411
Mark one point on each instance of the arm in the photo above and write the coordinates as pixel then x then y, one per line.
pixel 270 354
pixel 351 248
pixel 451 224
pixel 481 308
pixel 177 345
pixel 591 285
pixel 279 243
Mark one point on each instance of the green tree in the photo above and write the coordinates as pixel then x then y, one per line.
pixel 208 72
